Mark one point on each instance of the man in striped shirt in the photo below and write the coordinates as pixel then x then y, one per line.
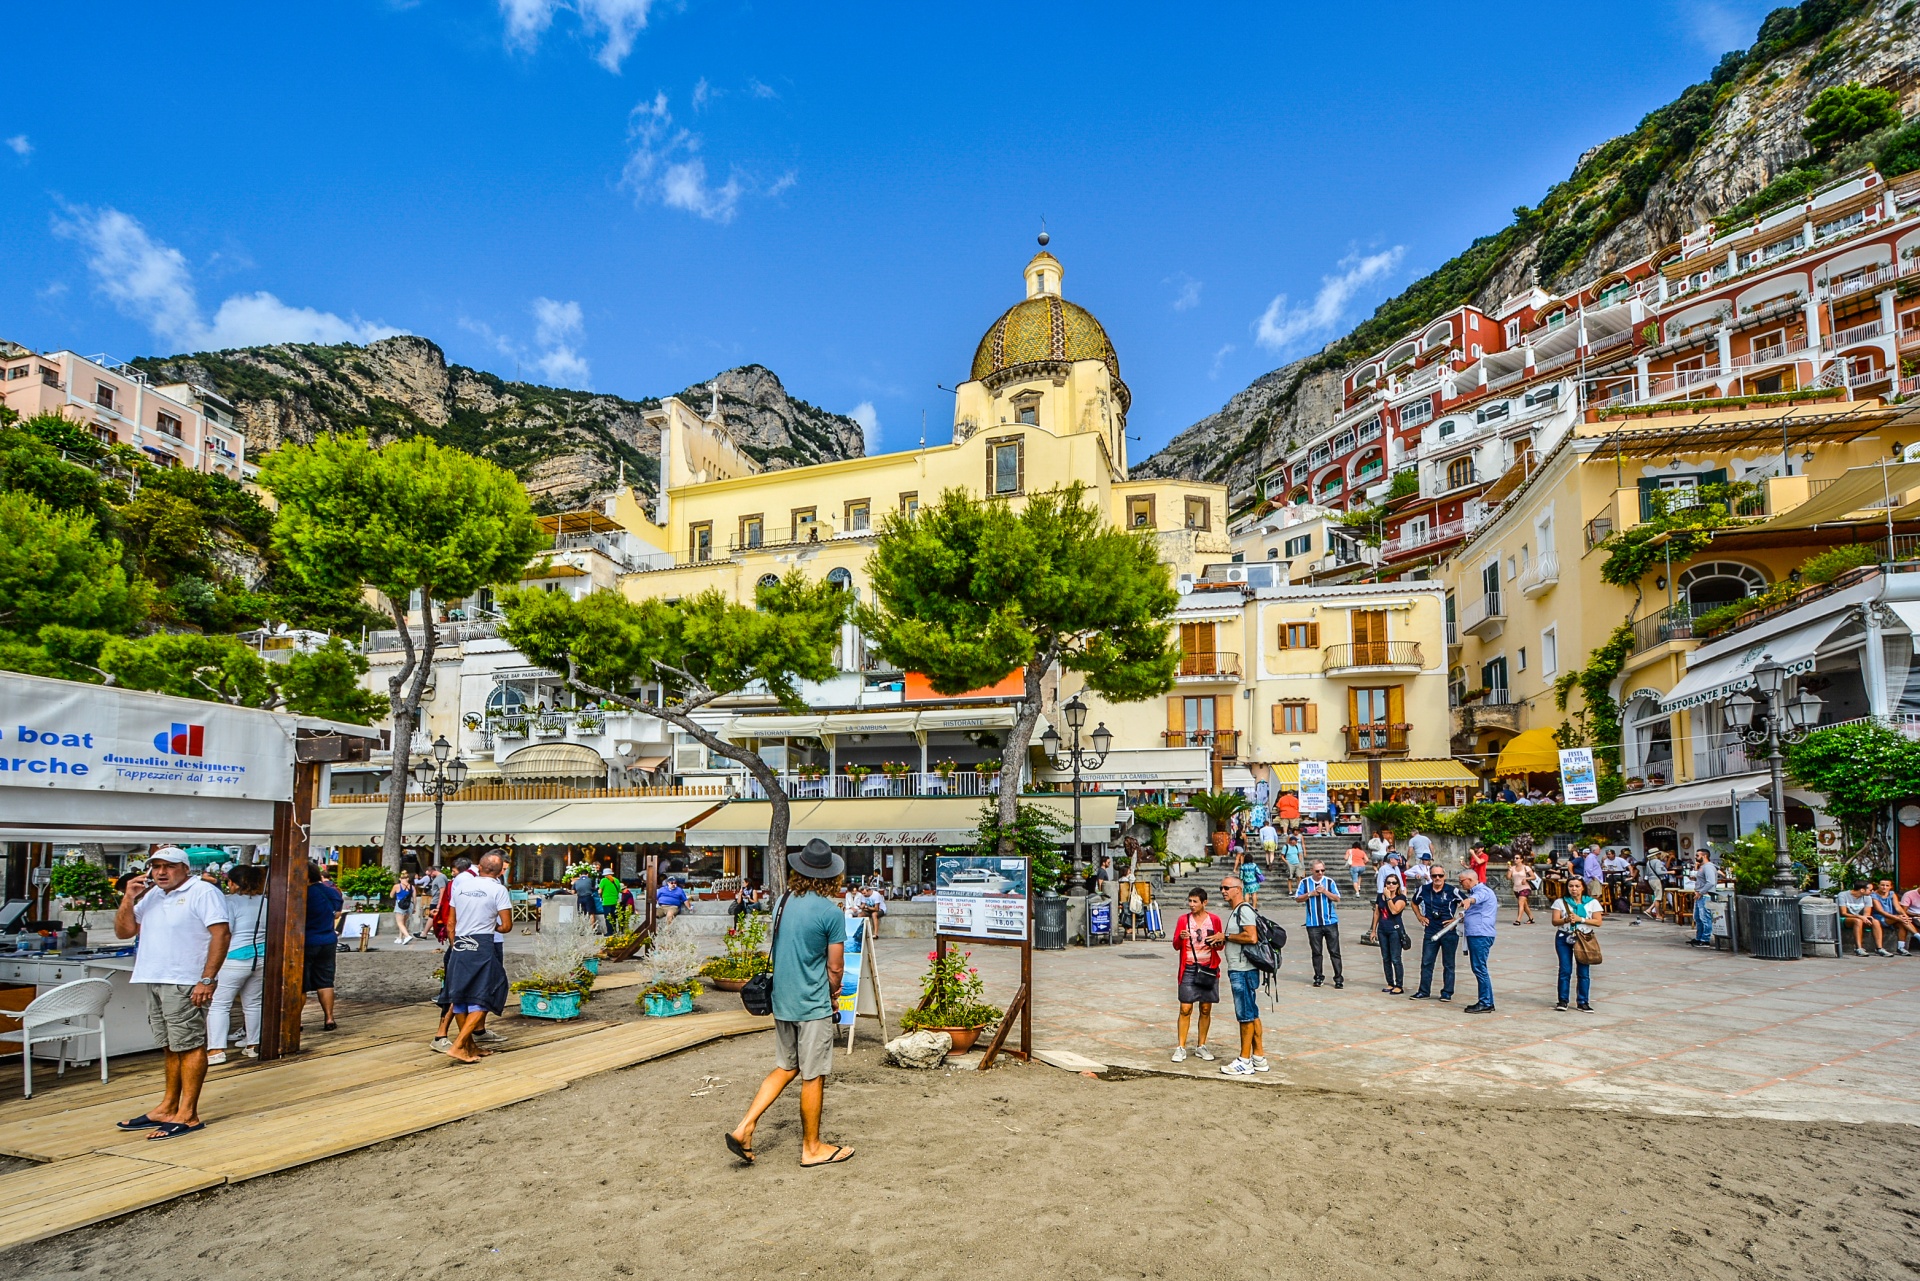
pixel 1320 893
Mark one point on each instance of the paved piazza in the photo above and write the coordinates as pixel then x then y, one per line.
pixel 1675 1029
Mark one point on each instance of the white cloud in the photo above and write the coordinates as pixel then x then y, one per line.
pixel 664 165
pixel 614 23
pixel 1220 359
pixel 1281 326
pixel 782 184
pixel 151 282
pixel 1189 296
pixel 869 419
pixel 760 90
pixel 557 331
pixel 20 145
pixel 702 93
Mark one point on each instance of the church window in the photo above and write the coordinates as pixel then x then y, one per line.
pixel 1006 466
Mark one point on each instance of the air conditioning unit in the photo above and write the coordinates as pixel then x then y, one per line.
pixel 687 760
pixel 1236 573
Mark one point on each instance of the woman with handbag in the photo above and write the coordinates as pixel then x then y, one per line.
pixel 1576 917
pixel 1391 933
pixel 1197 942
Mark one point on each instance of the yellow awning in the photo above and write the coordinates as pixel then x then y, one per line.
pixel 1414 773
pixel 887 820
pixel 1855 495
pixel 1533 751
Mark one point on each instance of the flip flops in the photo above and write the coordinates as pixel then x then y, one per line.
pixel 174 1129
pixel 740 1150
pixel 839 1155
pixel 141 1122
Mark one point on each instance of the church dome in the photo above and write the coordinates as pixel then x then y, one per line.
pixel 1041 328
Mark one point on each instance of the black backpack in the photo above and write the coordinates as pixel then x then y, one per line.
pixel 1264 955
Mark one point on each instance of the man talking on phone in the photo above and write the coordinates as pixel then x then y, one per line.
pixel 182 924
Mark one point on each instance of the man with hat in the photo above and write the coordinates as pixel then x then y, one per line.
pixel 809 959
pixel 182 924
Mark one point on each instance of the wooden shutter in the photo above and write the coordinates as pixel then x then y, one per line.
pixel 1176 715
pixel 1353 706
pixel 1284 629
pixel 1313 635
pixel 1280 719
pixel 1020 469
pixel 1311 711
pixel 1223 711
pixel 1396 704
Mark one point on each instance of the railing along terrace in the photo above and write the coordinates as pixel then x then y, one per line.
pixel 535 792
pixel 1215 663
pixel 878 783
pixel 1372 654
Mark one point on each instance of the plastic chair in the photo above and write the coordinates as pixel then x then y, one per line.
pixel 71 1010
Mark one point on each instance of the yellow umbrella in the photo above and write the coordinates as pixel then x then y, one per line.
pixel 1533 751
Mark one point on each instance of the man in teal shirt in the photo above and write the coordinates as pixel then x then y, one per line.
pixel 809 959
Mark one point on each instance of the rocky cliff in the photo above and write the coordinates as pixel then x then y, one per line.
pixel 566 446
pixel 1728 143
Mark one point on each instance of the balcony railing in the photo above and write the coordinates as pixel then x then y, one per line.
pixel 846 787
pixel 1909 336
pixel 1411 538
pixel 1673 623
pixel 1210 666
pixel 1224 742
pixel 1371 654
pixel 1380 737
pixel 1856 333
pixel 1865 280
pixel 1608 342
pixel 1763 356
pixel 1542 576
pixel 1482 614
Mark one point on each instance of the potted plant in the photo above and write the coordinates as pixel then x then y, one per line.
pixel 811 772
pixel 745 955
pixel 668 974
pixel 1219 807
pixel 549 727
pixel 87 888
pixel 1157 819
pixel 950 993
pixel 895 769
pixel 858 773
pixel 557 978
pixel 945 769
pixel 370 883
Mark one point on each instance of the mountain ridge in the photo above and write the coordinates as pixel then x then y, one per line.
pixel 1721 142
pixel 568 447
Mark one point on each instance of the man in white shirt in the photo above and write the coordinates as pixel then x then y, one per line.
pixel 181 923
pixel 1420 845
pixel 1705 879
pixel 476 972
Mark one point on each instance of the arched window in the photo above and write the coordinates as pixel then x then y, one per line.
pixel 1717 583
pixel 769 580
pixel 506 699
pixel 841 578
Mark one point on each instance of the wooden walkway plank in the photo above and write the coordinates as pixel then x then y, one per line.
pixel 625 1044
pixel 48 1200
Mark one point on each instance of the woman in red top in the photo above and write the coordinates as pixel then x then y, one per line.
pixel 1477 862
pixel 1198 940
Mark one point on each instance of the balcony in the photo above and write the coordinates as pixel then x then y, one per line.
pixel 1212 666
pixel 1372 656
pixel 1542 577
pixel 847 787
pixel 1854 334
pixel 1375 739
pixel 1453 479
pixel 1485 618
pixel 1411 539
pixel 1881 275
pixel 1224 742
pixel 1672 623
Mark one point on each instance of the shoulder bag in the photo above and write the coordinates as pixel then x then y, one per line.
pixel 1586 945
pixel 756 994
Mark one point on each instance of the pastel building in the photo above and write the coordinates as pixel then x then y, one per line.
pixel 174 425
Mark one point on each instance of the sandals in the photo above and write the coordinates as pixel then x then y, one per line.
pixel 839 1155
pixel 174 1129
pixel 141 1122
pixel 740 1150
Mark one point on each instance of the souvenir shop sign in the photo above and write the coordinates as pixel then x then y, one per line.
pixel 979 896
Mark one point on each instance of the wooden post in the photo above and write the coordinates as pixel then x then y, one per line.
pixel 1373 776
pixel 285 963
pixel 653 891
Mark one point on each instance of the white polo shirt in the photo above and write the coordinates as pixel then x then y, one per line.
pixel 477 903
pixel 174 934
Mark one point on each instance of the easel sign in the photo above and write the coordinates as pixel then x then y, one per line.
pixel 860 980
pixel 989 899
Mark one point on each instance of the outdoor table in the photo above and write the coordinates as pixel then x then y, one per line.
pixel 1680 903
pixel 875 785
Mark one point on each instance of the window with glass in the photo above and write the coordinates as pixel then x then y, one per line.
pixel 753 531
pixel 1418 412
pixel 168 424
pixel 701 539
pixel 1199 513
pixel 1140 512
pixel 1006 467
pixel 859 515
pixel 1460 472
pixel 910 504
pixel 103 395
pixel 1300 546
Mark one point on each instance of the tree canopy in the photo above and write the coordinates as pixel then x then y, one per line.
pixel 968 590
pixel 402 518
pixel 1846 113
pixel 698 649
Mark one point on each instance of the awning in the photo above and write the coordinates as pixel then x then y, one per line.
pixel 1681 798
pixel 1403 773
pixel 608 821
pixel 74 816
pixel 1908 612
pixel 554 760
pixel 878 722
pixel 1857 490
pixel 1143 767
pixel 889 820
pixel 1728 673
pixel 1534 751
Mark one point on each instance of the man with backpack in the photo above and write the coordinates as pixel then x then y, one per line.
pixel 1243 932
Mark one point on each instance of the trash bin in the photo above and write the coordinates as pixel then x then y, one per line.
pixel 1099 918
pixel 1775 932
pixel 1819 925
pixel 1050 922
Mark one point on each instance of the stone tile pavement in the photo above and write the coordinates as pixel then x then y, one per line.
pixel 1675 1029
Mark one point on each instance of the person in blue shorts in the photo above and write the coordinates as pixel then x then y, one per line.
pixel 1243 929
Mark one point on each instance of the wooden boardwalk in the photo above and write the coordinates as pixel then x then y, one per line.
pixel 378 1080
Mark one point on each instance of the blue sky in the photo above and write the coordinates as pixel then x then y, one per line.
pixel 629 195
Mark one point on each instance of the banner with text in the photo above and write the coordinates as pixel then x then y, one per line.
pixel 1578 785
pixel 1313 787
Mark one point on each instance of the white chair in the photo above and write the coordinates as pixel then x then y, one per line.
pixel 71 1010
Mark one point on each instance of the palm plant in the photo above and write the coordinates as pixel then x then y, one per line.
pixel 1219 807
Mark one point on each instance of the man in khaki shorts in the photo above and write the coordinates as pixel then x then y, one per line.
pixel 809 959
pixel 181 922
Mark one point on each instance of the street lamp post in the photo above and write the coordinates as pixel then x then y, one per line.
pixel 439 778
pixel 1076 759
pixel 1770 720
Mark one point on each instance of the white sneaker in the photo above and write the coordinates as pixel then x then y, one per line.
pixel 487 1036
pixel 1881 951
pixel 1259 1063
pixel 441 1044
pixel 1859 951
pixel 251 1051
pixel 1204 1053
pixel 1179 1054
pixel 1239 1067
pixel 216 1057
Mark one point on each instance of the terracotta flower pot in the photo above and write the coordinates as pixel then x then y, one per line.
pixel 1220 844
pixel 963 1037
pixel 725 985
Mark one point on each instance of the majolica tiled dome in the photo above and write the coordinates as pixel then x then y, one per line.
pixel 1042 328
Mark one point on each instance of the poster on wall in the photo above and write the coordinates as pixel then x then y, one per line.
pixel 1578 786
pixel 1313 787
pixel 980 896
